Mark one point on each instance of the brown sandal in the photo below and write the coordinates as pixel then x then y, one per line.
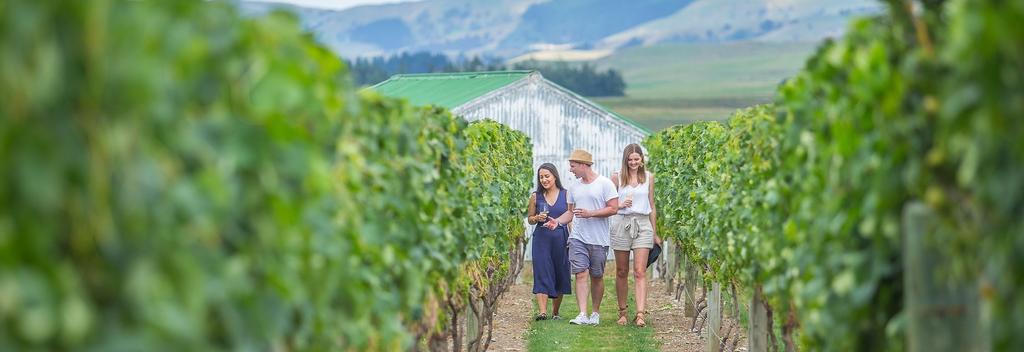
pixel 639 320
pixel 622 316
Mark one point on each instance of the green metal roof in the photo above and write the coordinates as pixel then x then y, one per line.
pixel 448 90
pixel 451 90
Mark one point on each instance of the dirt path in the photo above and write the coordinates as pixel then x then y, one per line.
pixel 512 319
pixel 670 324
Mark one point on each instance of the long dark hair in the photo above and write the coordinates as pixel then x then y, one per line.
pixel 641 172
pixel 554 172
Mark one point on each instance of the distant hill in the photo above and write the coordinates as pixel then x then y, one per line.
pixel 469 27
pixel 584 22
pixel 741 20
pixel 507 28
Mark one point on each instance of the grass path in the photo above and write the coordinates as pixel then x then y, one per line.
pixel 559 335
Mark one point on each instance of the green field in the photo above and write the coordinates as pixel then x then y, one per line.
pixel 659 113
pixel 680 83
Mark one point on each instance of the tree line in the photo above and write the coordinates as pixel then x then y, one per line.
pixel 584 78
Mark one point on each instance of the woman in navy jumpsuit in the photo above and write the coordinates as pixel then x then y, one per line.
pixel 551 214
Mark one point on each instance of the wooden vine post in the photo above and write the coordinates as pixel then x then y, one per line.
pixel 714 319
pixel 942 314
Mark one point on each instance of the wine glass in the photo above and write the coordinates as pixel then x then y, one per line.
pixel 544 210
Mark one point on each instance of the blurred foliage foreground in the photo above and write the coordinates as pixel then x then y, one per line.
pixel 178 178
pixel 879 204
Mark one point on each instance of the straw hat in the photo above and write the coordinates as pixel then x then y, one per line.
pixel 581 156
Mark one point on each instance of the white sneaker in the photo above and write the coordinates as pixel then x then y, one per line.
pixel 580 320
pixel 595 318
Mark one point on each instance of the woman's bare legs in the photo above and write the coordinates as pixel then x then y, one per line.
pixel 622 283
pixel 640 278
pixel 542 304
pixel 557 303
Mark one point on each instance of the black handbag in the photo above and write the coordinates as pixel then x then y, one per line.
pixel 653 257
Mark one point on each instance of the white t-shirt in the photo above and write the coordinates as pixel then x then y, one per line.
pixel 592 196
pixel 640 193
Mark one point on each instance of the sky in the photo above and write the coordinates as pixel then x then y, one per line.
pixel 333 4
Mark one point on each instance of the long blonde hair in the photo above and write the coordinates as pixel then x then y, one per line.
pixel 641 172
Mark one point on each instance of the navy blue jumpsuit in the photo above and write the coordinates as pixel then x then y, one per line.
pixel 550 257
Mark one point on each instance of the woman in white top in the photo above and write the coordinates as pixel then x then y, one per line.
pixel 635 231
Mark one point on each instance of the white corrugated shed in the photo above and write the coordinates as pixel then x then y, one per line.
pixel 558 121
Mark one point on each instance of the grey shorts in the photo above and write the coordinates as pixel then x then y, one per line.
pixel 584 256
pixel 631 232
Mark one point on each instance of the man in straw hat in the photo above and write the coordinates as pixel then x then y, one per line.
pixel 592 202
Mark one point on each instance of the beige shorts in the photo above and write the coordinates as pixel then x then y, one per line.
pixel 632 231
